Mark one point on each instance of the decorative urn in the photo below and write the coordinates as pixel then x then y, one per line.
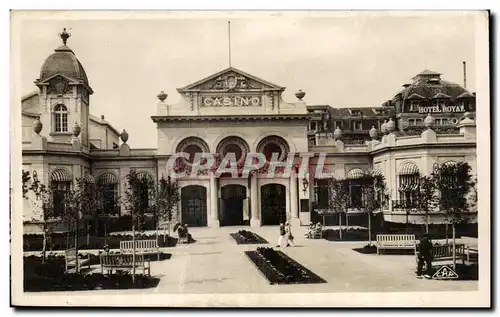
pixel 162 96
pixel 429 122
pixel 383 127
pixel 300 94
pixel 37 126
pixel 373 133
pixel 391 125
pixel 337 134
pixel 124 136
pixel 76 130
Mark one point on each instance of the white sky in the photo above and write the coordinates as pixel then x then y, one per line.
pixel 353 60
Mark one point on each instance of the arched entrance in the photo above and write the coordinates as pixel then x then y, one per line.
pixel 233 205
pixel 273 204
pixel 194 205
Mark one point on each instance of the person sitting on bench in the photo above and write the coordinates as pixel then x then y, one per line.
pixel 425 255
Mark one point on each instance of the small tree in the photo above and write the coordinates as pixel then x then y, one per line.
pixel 137 203
pixel 43 206
pixel 338 192
pixel 373 196
pixel 166 199
pixel 107 206
pixel 426 200
pixel 453 182
pixel 79 202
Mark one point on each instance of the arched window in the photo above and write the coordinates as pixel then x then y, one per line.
pixel 108 184
pixel 60 182
pixel 409 181
pixel 60 118
pixel 354 177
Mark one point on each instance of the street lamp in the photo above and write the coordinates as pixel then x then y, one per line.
pixel 305 185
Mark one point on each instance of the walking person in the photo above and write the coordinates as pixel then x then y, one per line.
pixel 281 239
pixel 425 255
pixel 289 235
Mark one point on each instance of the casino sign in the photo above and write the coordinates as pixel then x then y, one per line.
pixel 231 101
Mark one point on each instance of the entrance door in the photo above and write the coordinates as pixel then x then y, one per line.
pixel 194 206
pixel 232 201
pixel 273 204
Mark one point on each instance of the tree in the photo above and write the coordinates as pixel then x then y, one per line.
pixel 338 190
pixel 453 182
pixel 43 206
pixel 373 195
pixel 107 206
pixel 426 200
pixel 137 203
pixel 79 204
pixel 166 199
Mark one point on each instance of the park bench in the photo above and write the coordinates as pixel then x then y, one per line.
pixel 315 233
pixel 444 252
pixel 141 247
pixel 395 242
pixel 110 262
pixel 70 256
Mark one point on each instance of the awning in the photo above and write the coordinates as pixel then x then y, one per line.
pixel 144 176
pixel 403 187
pixel 377 172
pixel 323 174
pixel 61 175
pixel 107 179
pixel 413 187
pixel 449 163
pixel 355 173
pixel 89 179
pixel 408 169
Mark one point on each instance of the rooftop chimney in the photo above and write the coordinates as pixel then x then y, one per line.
pixel 102 117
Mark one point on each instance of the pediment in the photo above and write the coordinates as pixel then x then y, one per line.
pixel 59 83
pixel 229 80
pixel 57 77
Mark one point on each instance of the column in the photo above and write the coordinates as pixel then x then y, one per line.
pixel 214 210
pixel 254 200
pixel 294 199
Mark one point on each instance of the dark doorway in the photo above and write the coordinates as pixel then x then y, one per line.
pixel 232 203
pixel 194 206
pixel 273 204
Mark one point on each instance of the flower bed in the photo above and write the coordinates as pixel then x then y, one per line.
pixel 350 234
pixel 248 237
pixel 278 268
pixel 34 242
pixel 51 276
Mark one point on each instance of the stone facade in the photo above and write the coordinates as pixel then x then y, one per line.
pixel 230 111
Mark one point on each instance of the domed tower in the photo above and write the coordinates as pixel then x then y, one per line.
pixel 428 94
pixel 64 94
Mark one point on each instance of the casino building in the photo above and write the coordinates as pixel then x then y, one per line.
pixel 429 121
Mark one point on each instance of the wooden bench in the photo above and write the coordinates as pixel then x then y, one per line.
pixel 395 241
pixel 70 259
pixel 316 233
pixel 141 247
pixel 115 262
pixel 444 252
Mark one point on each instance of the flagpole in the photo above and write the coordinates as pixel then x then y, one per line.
pixel 229 40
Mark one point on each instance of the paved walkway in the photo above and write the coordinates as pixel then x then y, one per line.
pixel 216 264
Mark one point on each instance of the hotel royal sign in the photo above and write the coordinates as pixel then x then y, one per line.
pixel 442 109
pixel 231 101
